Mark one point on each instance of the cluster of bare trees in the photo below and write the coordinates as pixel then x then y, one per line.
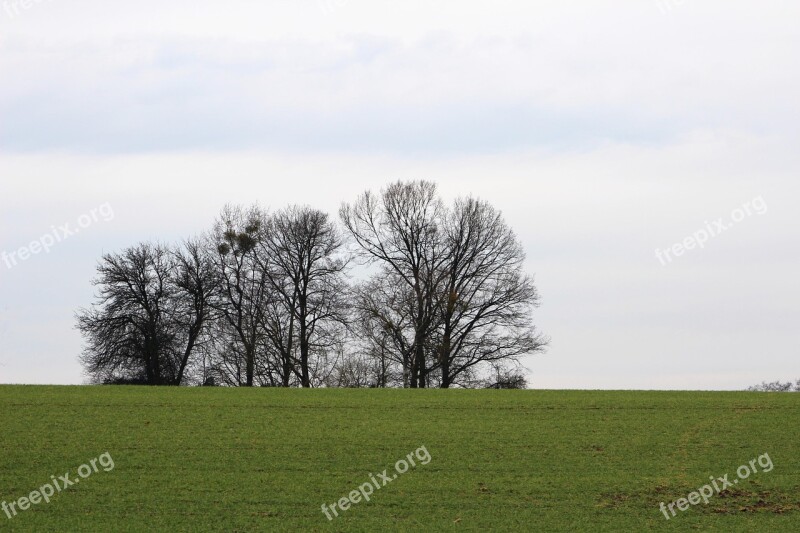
pixel 776 386
pixel 268 299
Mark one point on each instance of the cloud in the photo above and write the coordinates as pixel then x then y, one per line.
pixel 592 77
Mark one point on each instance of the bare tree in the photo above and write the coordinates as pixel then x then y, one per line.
pixel 279 336
pixel 383 308
pixel 243 292
pixel 355 371
pixel 305 270
pixel 504 376
pixel 134 331
pixel 487 300
pixel 399 228
pixel 451 284
pixel 198 287
pixel 776 386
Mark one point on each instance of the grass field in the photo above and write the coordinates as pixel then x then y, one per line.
pixel 212 459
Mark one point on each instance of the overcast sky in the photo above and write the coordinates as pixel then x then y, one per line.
pixel 604 131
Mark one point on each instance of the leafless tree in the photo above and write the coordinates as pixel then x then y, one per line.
pixel 383 307
pixel 504 376
pixel 198 284
pixel 451 294
pixel 244 295
pixel 278 341
pixel 355 371
pixel 305 271
pixel 776 386
pixel 486 300
pixel 399 229
pixel 150 311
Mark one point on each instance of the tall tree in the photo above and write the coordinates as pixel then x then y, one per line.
pixel 384 310
pixel 486 300
pixel 243 290
pixel 134 329
pixel 198 284
pixel 305 270
pixel 399 228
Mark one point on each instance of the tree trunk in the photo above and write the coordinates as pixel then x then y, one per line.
pixel 418 377
pixel 194 333
pixel 287 359
pixel 304 344
pixel 306 380
pixel 250 355
pixel 444 359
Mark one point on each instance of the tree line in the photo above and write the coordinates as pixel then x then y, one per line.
pixel 776 386
pixel 401 291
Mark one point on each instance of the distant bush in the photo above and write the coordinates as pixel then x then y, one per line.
pixel 776 386
pixel 507 378
pixel 126 381
pixel 516 381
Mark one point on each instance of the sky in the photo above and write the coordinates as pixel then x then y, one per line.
pixel 645 152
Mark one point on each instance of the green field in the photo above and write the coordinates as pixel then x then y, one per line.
pixel 213 459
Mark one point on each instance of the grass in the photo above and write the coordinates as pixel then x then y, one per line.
pixel 267 459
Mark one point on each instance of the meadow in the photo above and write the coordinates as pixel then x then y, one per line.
pixel 222 459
